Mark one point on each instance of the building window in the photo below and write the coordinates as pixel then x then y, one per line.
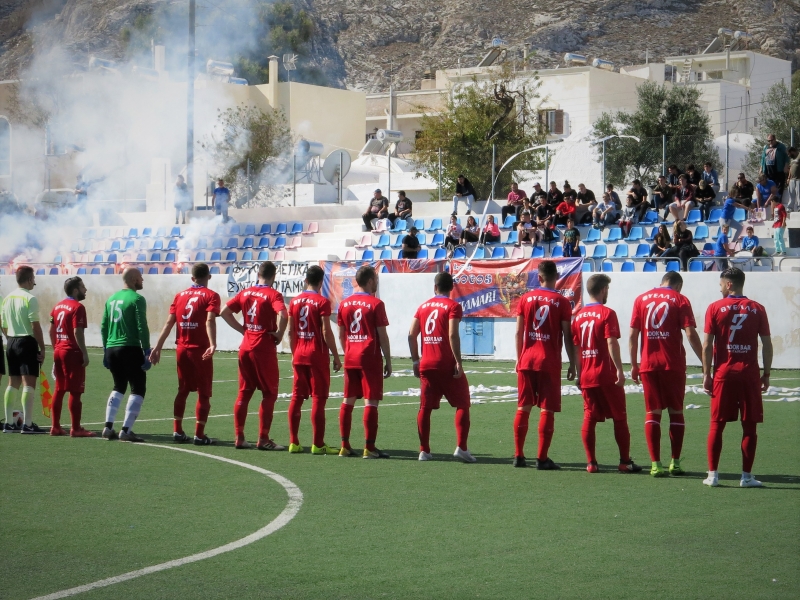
pixel 5 148
pixel 552 120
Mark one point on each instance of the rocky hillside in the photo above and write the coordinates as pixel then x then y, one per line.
pixel 359 41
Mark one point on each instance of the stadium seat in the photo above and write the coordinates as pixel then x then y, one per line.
pixel 460 252
pixel 110 271
pixel 708 247
pixel 250 229
pixel 133 232
pixel 557 252
pixel 437 240
pixel 399 225
pixel 350 255
pixel 96 271
pixel 228 270
pixel 152 271
pixel 161 232
pixel 53 270
pixel 380 226
pixel 158 245
pixel 263 255
pixel 216 256
pixel 701 233
pixel 440 254
pixel 130 245
pixel 421 237
pixel 509 222
pixel 636 234
pixel 652 235
pixel 170 257
pixel 368 255
pixel 57 259
pixel 81 271
pixel 263 243
pixel 642 251
pixel 173 244
pixel 582 250
pixel 479 253
pixel 365 241
pixel 608 266
pixel 695 266
pixel 714 216
pixel 716 234
pixel 740 215
pixel 621 251
pixel 673 265
pixel 247 243
pixel 313 228
pixel 422 253
pixel 387 254
pixel 281 229
pixel 176 231
pixel 419 224
pixel 296 242
pixel 628 266
pixel 231 257
pixel 104 234
pixel 592 236
pixel 650 217
pixel 112 258
pixel 694 216
pixel 513 238
pixel 232 243
pixel 167 271
pixel 115 245
pixel 235 229
pixel 40 271
pixel 600 251
pixel 382 242
pixel 214 270
pixel 147 232
pixel 266 229
pixel 279 256
pixel 538 252
pixel 200 257
pixel 516 252
pixel 498 252
pixel 141 258
pixel 296 229
pixel 614 235
pixel 587 267
pixel 398 242
pixel 98 258
pixel 649 267
pixel 247 255
pixel 436 225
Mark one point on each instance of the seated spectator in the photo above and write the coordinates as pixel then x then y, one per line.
pixel 527 232
pixel 545 216
pixel 554 195
pixel 605 213
pixel 629 216
pixel 750 243
pixel 378 209
pixel 729 209
pixel 709 175
pixel 565 210
pixel 705 197
pixel 763 190
pixel 661 243
pixel 673 178
pixel 402 208
pixel 743 191
pixel 567 189
pixel 537 189
pixel 411 244
pixel 514 204
pixel 572 238
pixel 585 196
pixel 453 233
pixel 662 195
pixel 527 204
pixel 614 196
pixel 683 201
pixel 683 244
pixel 491 232
pixel 464 191
pixel 471 231
pixel 639 194
pixel 694 176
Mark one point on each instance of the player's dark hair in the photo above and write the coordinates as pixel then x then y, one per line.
pixel 548 270
pixel 597 283
pixel 72 284
pixel 267 270
pixel 364 275
pixel 671 278
pixel 315 275
pixel 734 275
pixel 24 274
pixel 443 282
pixel 201 271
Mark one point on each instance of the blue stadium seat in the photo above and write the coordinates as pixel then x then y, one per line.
pixel 202 244
pixel 621 251
pixel 98 258
pixel 173 244
pixel 263 243
pixel 398 242
pixel 628 266
pixel 592 236
pixel 557 252
pixel 296 229
pixel 708 247
pixel 649 267
pixel 479 253
pixel 115 245
pixel 422 253
pixel 509 222
pixel 112 258
pixel 608 266
pixel 184 270
pixel 170 257
pixel 513 238
pixel 235 230
pixel 81 271
pixel 214 270
pixel 673 265
pixel 419 224
pixel 200 257
pixel 247 255
pixel 130 245
pixel 538 252
pixel 715 215
pixel 652 235
pixel 167 271
pixel 460 252
pixel 438 240
pixel 232 243
pixel 650 217
pixel 642 251
pixel 716 234
pixel 40 271
pixel 231 257
pixel 387 254
pixel 53 270
pixel 701 233
pixel 216 256
pixel 95 271
pixel 614 235
pixel 250 229
pixel 636 234
pixel 694 216
pixel 57 259
pixel 133 232
pixel 498 252
pixel 600 251
pixel 368 255
pixel 695 266
pixel 263 255
pixel 228 270
pixel 440 254
pixel 281 229
pixel 147 232
pixel 739 215
pixel 421 237
pixel 587 267
pixel 382 242
pixel 109 270
pixel 436 225
pixel 279 243
pixel 158 245
pixel 141 257
pixel 161 232
pixel 247 243
pixel 266 229
pixel 176 232
pixel 399 225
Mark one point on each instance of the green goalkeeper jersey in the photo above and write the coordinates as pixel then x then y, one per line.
pixel 125 321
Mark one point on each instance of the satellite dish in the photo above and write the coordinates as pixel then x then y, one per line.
pixel 330 169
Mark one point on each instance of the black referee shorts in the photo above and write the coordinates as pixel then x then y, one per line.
pixel 22 355
pixel 2 357
pixel 125 364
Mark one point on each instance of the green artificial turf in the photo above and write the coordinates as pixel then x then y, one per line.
pixel 76 511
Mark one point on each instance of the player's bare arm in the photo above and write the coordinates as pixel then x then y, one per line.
pixel 80 339
pixel 613 348
pixel 343 339
pixel 566 328
pixel 766 357
pixel 155 353
pixel 283 320
pixel 383 339
pixel 633 349
pixel 519 335
pixel 413 346
pixel 39 336
pixel 292 335
pixel 708 359
pixel 455 346
pixel 227 316
pixel 211 331
pixel 694 342
pixel 330 340
pixel 577 360
pixel 52 334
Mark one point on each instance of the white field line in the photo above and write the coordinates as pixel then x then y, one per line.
pixel 288 513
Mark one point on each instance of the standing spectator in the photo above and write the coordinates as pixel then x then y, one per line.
pixel 554 195
pixel 614 196
pixel 683 244
pixel 794 180
pixel 464 191
pixel 514 205
pixel 378 209
pixel 662 195
pixel 491 232
pixel 709 175
pixel 639 194
pixel 453 233
pixel 527 231
pixel 661 243
pixel 763 190
pixel 411 244
pixel 605 213
pixel 743 191
pixel 694 176
pixel 471 231
pixel 673 178
pixel 222 199
pixel 684 199
pixel 181 200
pixel 565 210
pixel 779 211
pixel 572 238
pixel 402 208
pixel 629 216
pixel 775 162
pixel 728 210
pixel 705 196
pixel 722 248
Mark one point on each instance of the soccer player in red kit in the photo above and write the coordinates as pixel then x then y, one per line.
pixel 543 318
pixel 362 332
pixel 312 341
pixel 733 328
pixel 440 371
pixel 264 325
pixel 195 312
pixel 595 333
pixel 70 358
pixel 660 316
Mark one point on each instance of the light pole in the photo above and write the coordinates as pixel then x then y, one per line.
pixel 190 105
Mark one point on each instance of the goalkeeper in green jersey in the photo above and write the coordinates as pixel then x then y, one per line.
pixel 126 353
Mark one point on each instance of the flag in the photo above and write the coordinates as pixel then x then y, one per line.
pixel 44 392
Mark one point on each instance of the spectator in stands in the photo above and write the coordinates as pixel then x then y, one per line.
pixel 605 213
pixel 585 196
pixel 694 176
pixel 614 196
pixel 763 190
pixel 793 184
pixel 527 232
pixel 705 196
pixel 709 175
pixel 629 216
pixel 402 208
pixel 554 195
pixel 729 210
pixel 673 178
pixel 545 216
pixel 779 212
pixel 181 200
pixel 471 231
pixel 222 199
pixel 722 248
pixel 568 191
pixel 661 242
pixel 537 189
pixel 565 210
pixel 453 233
pixel 750 243
pixel 662 195
pixel 378 209
pixel 572 238
pixel 464 191
pixel 775 162
pixel 491 232
pixel 527 204
pixel 743 191
pixel 639 194
pixel 514 203
pixel 411 245
pixel 684 199
pixel 586 203
pixel 683 244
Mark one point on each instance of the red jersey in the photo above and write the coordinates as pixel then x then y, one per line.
pixel 661 315
pixel 67 316
pixel 306 311
pixel 593 325
pixel 361 314
pixel 737 323
pixel 542 310
pixel 191 308
pixel 434 319
pixel 261 305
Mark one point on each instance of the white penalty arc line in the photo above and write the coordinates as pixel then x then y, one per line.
pixel 288 513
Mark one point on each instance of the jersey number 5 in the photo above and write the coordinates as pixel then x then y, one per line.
pixel 189 308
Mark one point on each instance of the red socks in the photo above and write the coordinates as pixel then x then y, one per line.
pixel 265 417
pixel 677 426
pixel 749 442
pixel 462 427
pixel 55 409
pixel 546 427
pixel 345 423
pixel 370 426
pixel 295 407
pixel 240 410
pixel 520 431
pixel 318 421
pixel 75 410
pixel 715 444
pixel 652 432
pixel 178 410
pixel 588 436
pixel 201 411
pixel 424 429
pixel 623 436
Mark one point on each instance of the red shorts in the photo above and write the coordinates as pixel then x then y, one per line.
pixel 539 388
pixel 435 384
pixel 365 382
pixel 312 380
pixel 194 373
pixel 663 389
pixel 69 370
pixel 258 370
pixel 733 395
pixel 605 402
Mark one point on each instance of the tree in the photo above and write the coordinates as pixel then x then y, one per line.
pixel 250 140
pixel 780 113
pixel 673 112
pixel 478 116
